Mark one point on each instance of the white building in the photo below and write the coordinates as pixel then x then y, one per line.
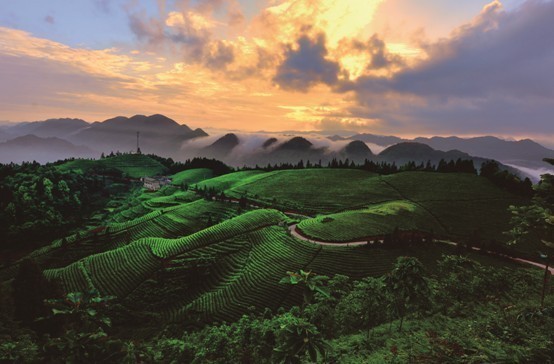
pixel 155 183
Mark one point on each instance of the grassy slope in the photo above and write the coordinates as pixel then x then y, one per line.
pixel 454 204
pixel 174 222
pixel 134 165
pixel 228 181
pixel 375 220
pixel 191 176
pixel 465 204
pixel 319 190
pixel 243 273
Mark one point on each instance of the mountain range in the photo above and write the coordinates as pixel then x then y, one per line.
pixel 523 153
pixel 30 148
pixel 295 149
pixel 158 135
pixel 55 139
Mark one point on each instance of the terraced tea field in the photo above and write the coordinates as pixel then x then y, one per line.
pixel 316 190
pixel 191 176
pixel 454 204
pixel 228 181
pixel 376 220
pixel 183 256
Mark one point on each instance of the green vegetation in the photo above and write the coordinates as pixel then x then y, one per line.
pixel 191 176
pixel 230 180
pixel 39 203
pixel 206 270
pixel 132 165
pixel 348 321
pixel 316 190
pixel 372 222
pixel 424 186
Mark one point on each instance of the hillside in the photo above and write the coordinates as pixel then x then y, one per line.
pixel 158 134
pixel 352 204
pixel 526 152
pixel 221 148
pixel 133 165
pixel 207 250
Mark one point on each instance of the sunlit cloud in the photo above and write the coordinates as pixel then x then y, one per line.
pixel 298 64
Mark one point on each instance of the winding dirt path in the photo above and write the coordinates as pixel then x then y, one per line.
pixel 297 234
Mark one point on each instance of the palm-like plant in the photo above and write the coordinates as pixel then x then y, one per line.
pixel 85 339
pixel 312 283
pixel 296 338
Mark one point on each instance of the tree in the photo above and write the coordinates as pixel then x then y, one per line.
pixel 362 306
pixel 312 283
pixel 85 339
pixel 535 222
pixel 30 289
pixel 297 337
pixel 407 286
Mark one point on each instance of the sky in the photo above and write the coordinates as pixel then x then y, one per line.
pixel 402 67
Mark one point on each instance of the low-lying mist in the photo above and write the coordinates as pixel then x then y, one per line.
pixel 250 149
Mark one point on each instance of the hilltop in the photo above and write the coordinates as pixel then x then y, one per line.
pixel 132 165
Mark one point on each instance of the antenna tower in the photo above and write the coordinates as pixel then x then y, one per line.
pixel 138 145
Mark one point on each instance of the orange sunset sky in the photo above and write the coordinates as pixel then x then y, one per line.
pixel 400 67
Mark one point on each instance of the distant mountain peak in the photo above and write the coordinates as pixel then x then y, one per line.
pixel 268 143
pixel 227 140
pixel 407 150
pixel 336 138
pixel 222 146
pixel 357 148
pixel 296 143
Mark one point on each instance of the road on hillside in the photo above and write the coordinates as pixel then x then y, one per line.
pixel 296 233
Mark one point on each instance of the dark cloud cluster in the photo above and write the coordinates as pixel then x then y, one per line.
pixel 376 47
pixel 307 65
pixel 494 74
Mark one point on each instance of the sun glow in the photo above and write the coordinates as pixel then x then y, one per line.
pixel 338 19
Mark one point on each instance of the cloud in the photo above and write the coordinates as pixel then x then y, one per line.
pixel 149 30
pixel 344 124
pixel 307 65
pixel 235 17
pixel 189 34
pixel 380 56
pixel 492 74
pixel 218 55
